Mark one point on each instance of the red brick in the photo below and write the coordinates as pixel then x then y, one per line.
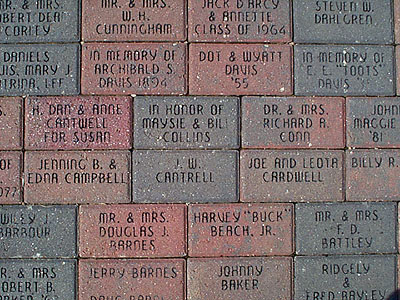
pixel 77 177
pixel 133 23
pixel 78 123
pixel 313 122
pixel 132 230
pixel 240 230
pixel 219 21
pixel 109 69
pixel 221 69
pixel 10 177
pixel 286 176
pixel 132 279
pixel 240 278
pixel 372 175
pixel 10 123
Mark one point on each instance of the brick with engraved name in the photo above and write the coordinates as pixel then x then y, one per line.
pixel 78 123
pixel 239 21
pixel 145 230
pixel 240 69
pixel 38 231
pixel 346 228
pixel 134 68
pixel 240 229
pixel 372 175
pixel 77 177
pixel 186 122
pixel 239 278
pixel 337 70
pixel 285 176
pixel 162 20
pixel 184 176
pixel 292 122
pixel 138 279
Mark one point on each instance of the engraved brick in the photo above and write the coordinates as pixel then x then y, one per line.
pixel 40 21
pixel 133 20
pixel 239 278
pixel 128 68
pixel 373 122
pixel 39 69
pixel 78 123
pixel 286 176
pixel 10 177
pixel 372 175
pixel 340 277
pixel 132 230
pixel 38 279
pixel 240 230
pixel 77 177
pixel 322 70
pixel 10 123
pixel 239 21
pixel 355 22
pixel 346 228
pixel 292 122
pixel 240 69
pixel 184 176
pixel 186 122
pixel 132 279
pixel 38 231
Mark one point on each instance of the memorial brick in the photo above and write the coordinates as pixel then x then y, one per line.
pixel 134 68
pixel 328 70
pixel 240 69
pixel 78 123
pixel 51 69
pixel 132 230
pixel 186 122
pixel 373 122
pixel 133 20
pixel 132 279
pixel 77 177
pixel 341 22
pixel 286 176
pixel 346 228
pixel 34 279
pixel 372 175
pixel 299 122
pixel 239 21
pixel 239 278
pixel 185 176
pixel 344 277
pixel 240 230
pixel 38 231
pixel 24 21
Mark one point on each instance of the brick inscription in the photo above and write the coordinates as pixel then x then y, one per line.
pixel 240 229
pixel 132 230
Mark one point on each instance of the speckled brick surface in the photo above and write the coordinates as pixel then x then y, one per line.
pixel 199 149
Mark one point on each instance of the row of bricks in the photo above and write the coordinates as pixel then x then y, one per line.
pixel 106 122
pixel 198 69
pixel 198 230
pixel 368 22
pixel 199 176
pixel 304 278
